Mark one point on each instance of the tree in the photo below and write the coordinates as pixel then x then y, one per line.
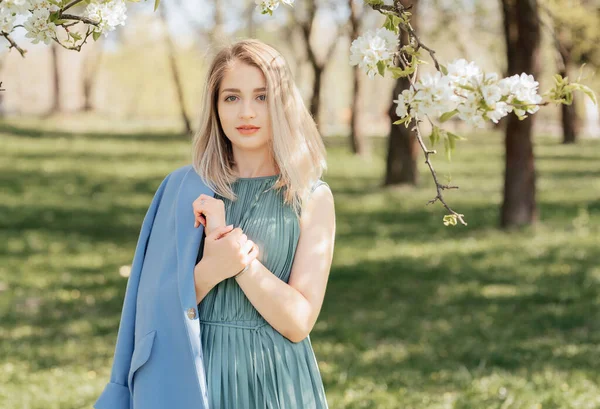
pixel 358 143
pixel 522 34
pixel 174 72
pixel 401 163
pixel 318 65
pixel 576 32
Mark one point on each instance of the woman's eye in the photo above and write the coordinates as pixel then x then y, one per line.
pixel 265 97
pixel 231 96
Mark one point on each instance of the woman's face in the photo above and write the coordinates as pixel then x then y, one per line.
pixel 242 101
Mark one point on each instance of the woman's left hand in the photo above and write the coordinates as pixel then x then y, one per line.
pixel 210 212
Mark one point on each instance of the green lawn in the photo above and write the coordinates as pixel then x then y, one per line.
pixel 416 315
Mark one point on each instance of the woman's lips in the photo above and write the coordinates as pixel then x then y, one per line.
pixel 247 131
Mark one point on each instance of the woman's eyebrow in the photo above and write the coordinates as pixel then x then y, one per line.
pixel 237 90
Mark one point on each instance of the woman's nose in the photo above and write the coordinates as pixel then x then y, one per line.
pixel 247 111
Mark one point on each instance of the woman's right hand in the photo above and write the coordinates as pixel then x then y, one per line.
pixel 226 252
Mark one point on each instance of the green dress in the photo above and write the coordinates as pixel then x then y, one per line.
pixel 248 363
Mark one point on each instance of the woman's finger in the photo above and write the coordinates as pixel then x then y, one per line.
pixel 254 252
pixel 200 220
pixel 218 232
pixel 246 247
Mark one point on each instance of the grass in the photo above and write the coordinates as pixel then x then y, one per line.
pixel 416 314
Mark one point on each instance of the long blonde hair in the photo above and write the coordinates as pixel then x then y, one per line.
pixel 296 146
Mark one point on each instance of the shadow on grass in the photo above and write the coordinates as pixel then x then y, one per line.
pixel 133 136
pixel 425 322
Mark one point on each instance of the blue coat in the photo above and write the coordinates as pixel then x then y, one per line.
pixel 158 361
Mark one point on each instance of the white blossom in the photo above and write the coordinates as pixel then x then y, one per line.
pixel 521 89
pixel 7 20
pixel 435 95
pixel 475 96
pixel 39 28
pixel 404 101
pixel 268 6
pixel 108 14
pixel 371 48
pixel 462 72
pixel 42 5
pixel 14 6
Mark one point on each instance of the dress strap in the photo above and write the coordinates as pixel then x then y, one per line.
pixel 318 183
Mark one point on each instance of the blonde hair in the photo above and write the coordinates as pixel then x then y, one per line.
pixel 296 146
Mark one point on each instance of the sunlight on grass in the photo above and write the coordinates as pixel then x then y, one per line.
pixel 416 314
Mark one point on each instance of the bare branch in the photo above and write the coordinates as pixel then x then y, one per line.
pixel 68 6
pixel 82 19
pixel 13 44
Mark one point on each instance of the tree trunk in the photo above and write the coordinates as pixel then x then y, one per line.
pixel 91 64
pixel 318 67
pixel 316 94
pixel 403 149
pixel 358 143
pixel 55 107
pixel 569 121
pixel 522 32
pixel 568 112
pixel 175 73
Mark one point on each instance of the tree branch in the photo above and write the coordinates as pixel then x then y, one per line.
pixel 13 44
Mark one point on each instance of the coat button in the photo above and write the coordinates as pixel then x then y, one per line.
pixel 191 313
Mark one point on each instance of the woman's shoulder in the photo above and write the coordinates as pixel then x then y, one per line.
pixel 318 183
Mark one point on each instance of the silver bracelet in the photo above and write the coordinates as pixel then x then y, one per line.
pixel 242 272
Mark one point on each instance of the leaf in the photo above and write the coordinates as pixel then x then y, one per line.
pixel 587 91
pixel 156 3
pixel 96 35
pixel 448 115
pixel 381 67
pixel 448 148
pixel 403 120
pixel 374 2
pixel 450 220
pixel 456 137
pixel 391 23
pixel 444 69
pixel 434 137
pixel 398 72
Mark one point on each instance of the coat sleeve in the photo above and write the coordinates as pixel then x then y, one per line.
pixel 116 393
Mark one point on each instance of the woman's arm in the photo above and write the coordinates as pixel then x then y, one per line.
pixel 292 308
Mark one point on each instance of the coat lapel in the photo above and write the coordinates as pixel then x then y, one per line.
pixel 187 237
pixel 187 242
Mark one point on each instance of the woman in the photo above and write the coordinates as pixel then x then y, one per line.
pixel 233 258
pixel 255 323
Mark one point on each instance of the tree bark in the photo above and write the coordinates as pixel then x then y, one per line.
pixel 318 67
pixel 315 100
pixel 56 105
pixel 358 143
pixel 175 73
pixel 568 112
pixel 403 149
pixel 522 34
pixel 91 65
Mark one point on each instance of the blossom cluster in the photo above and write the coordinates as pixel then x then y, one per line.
pixel 373 48
pixel 109 15
pixel 471 94
pixel 268 6
pixel 39 25
pixel 463 89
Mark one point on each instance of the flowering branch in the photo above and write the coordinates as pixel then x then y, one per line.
pixel 461 89
pixel 403 19
pixel 43 17
pixel 13 44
